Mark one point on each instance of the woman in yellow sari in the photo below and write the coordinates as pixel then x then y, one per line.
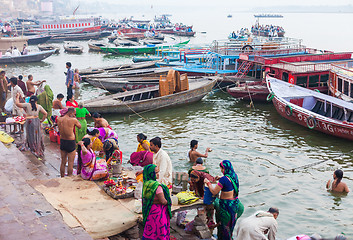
pixel 144 145
pixel 93 134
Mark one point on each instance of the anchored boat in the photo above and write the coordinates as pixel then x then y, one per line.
pixel 148 99
pixel 30 57
pixel 73 48
pixel 312 109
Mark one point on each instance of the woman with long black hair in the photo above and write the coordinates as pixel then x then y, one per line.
pixel 89 166
pixel 34 137
pixel 336 185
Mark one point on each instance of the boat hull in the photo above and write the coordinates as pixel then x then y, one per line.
pixel 38 40
pixel 342 130
pixel 258 94
pixel 37 57
pixel 172 100
pixel 122 85
pixel 128 50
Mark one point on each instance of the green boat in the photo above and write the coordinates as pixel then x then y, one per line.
pixel 148 49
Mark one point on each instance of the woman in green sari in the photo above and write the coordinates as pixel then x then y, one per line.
pixel 81 114
pixel 156 206
pixel 228 206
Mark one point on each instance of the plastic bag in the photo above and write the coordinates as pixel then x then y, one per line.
pixel 186 198
pixel 9 105
pixel 138 206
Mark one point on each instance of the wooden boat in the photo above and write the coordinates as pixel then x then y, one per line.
pixel 310 70
pixel 146 72
pixel 75 36
pixel 148 99
pixel 117 68
pixel 37 39
pixel 130 49
pixel 30 57
pixel 46 47
pixel 125 42
pixel 123 84
pixel 184 33
pixel 312 109
pixel 96 46
pixel 152 41
pixel 72 47
pixel 148 49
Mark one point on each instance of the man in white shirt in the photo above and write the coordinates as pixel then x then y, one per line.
pixel 258 225
pixel 162 161
pixel 15 89
pixel 8 53
pixel 15 52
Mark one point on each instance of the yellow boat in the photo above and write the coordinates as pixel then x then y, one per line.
pixel 5 138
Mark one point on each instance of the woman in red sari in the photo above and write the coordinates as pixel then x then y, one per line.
pixel 70 102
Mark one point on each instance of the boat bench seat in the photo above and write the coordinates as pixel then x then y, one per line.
pixel 317 106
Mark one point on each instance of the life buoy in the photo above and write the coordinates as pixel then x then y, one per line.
pixel 289 111
pixel 247 48
pixel 311 122
pixel 270 97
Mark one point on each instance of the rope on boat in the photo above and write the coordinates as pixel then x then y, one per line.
pixel 234 85
pixel 311 164
pixel 124 103
pixel 251 102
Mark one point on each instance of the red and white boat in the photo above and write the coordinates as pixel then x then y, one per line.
pixel 311 109
pixel 310 70
pixel 341 81
pixel 69 25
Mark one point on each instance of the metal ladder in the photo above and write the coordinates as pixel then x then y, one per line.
pixel 243 69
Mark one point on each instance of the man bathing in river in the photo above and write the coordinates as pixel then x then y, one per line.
pixel 193 154
pixel 100 122
pixel 67 125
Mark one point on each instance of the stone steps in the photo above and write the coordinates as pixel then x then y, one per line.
pixel 18 200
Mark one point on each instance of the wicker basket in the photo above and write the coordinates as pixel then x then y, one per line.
pixel 163 86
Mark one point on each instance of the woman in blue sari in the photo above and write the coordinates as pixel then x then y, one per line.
pixel 228 206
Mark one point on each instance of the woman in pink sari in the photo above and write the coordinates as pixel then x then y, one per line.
pixel 142 158
pixel 90 167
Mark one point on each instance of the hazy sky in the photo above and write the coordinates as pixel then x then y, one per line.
pixel 232 3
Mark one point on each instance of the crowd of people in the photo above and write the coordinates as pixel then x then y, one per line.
pixel 95 148
pixel 14 52
pixel 270 30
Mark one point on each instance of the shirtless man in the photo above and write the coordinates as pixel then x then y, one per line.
pixel 67 125
pixel 193 154
pixel 99 121
pixel 57 102
pixel 30 85
pixel 336 185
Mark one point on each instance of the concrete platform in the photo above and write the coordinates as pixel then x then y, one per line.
pixel 19 201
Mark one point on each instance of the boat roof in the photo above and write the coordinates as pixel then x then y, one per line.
pixel 306 67
pixel 285 90
pixel 344 70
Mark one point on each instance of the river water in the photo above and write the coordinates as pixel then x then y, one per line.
pixel 262 146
